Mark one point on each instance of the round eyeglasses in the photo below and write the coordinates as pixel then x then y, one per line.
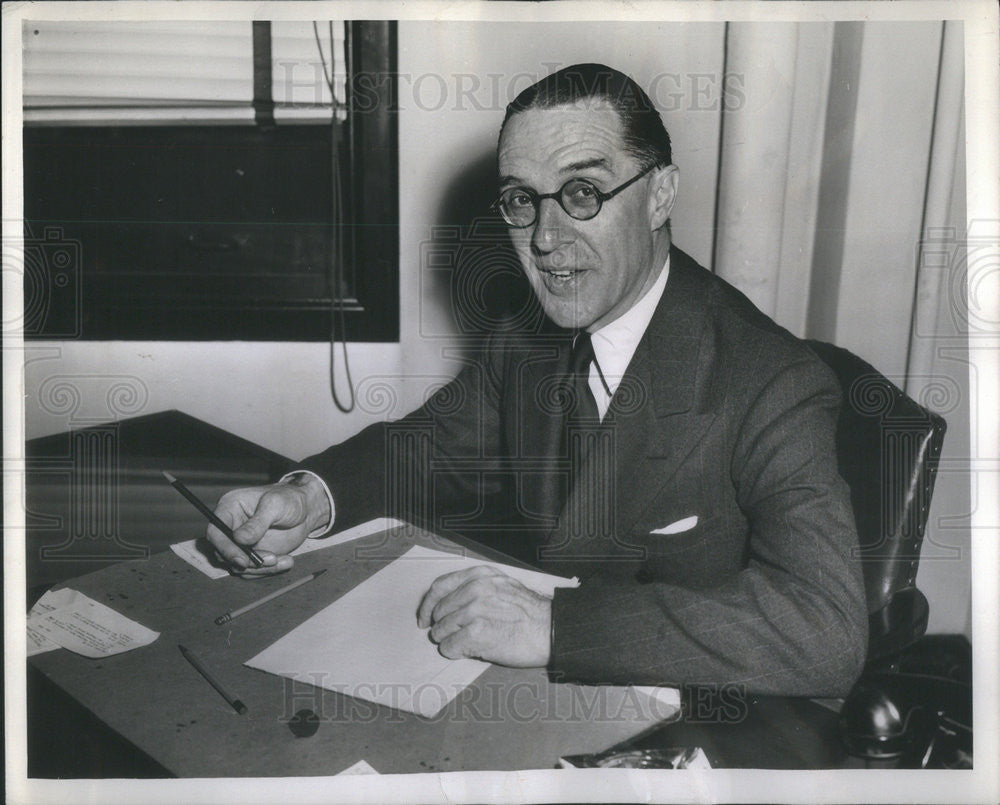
pixel 580 199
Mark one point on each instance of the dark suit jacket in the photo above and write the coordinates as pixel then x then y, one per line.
pixel 722 415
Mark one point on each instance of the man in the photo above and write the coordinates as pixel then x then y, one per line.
pixel 691 480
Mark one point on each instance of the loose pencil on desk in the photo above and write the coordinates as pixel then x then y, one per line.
pixel 235 613
pixel 192 658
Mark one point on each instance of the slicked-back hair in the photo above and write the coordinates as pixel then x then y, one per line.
pixel 644 135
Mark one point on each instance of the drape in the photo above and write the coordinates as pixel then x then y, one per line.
pixel 840 211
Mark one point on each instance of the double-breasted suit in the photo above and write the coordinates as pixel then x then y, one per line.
pixel 707 522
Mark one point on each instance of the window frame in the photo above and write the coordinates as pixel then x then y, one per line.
pixel 374 186
pixel 369 170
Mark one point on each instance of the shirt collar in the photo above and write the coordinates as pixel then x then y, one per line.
pixel 615 343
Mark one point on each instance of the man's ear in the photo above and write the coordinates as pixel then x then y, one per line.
pixel 662 192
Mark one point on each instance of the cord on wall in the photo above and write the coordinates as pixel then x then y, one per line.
pixel 337 260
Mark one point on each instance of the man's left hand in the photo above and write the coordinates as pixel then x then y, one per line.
pixel 483 614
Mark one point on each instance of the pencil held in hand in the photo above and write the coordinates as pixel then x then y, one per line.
pixel 212 518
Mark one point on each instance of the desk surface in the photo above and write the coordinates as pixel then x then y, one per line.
pixel 508 719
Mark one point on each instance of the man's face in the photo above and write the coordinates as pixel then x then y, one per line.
pixel 585 273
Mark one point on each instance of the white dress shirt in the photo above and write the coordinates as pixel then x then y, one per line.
pixel 615 343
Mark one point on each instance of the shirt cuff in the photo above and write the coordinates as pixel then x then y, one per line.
pixel 333 511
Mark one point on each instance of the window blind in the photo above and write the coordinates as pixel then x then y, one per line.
pixel 161 72
pixel 299 84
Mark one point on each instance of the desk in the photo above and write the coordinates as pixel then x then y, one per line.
pixel 508 719
pixel 151 697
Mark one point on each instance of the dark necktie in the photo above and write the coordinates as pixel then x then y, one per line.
pixel 582 417
pixel 582 406
pixel 581 427
pixel 579 416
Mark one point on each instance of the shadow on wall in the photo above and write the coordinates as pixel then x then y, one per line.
pixel 469 259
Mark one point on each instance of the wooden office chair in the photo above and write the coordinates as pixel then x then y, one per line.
pixel 888 448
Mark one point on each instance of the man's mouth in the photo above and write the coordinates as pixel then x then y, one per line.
pixel 559 275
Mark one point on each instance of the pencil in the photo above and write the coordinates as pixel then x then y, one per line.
pixel 235 613
pixel 196 502
pixel 235 703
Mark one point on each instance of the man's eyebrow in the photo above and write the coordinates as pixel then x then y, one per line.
pixel 572 167
pixel 596 162
pixel 511 180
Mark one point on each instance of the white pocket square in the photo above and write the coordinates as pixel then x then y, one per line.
pixel 676 528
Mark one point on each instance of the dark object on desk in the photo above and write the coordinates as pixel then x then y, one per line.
pixel 916 720
pixel 95 495
pixel 888 448
pixel 919 716
pixel 304 724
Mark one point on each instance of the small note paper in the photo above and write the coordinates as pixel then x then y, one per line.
pixel 361 767
pixel 367 643
pixel 200 554
pixel 37 641
pixel 69 619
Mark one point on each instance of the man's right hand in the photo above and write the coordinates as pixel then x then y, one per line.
pixel 274 520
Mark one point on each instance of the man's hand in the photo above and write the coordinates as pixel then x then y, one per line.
pixel 274 520
pixel 482 613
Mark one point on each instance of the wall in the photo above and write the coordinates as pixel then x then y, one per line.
pixel 818 222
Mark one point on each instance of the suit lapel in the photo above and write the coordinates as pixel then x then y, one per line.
pixel 655 410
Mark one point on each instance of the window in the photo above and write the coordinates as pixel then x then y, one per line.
pixel 193 181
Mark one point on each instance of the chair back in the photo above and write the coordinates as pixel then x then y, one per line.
pixel 888 448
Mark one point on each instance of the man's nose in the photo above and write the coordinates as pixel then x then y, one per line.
pixel 551 228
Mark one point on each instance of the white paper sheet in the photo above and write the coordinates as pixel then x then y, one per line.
pixel 51 600
pixel 367 644
pixel 73 621
pixel 668 700
pixel 199 553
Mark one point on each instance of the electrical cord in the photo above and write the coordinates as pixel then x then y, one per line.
pixel 336 269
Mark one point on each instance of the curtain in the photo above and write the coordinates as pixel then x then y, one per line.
pixel 840 212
